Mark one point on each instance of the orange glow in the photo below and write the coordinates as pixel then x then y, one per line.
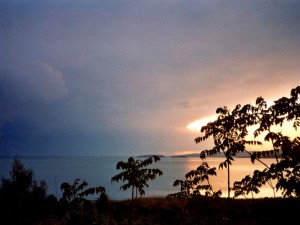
pixel 286 129
pixel 197 124
pixel 185 152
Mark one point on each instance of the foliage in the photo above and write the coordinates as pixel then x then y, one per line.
pixel 78 208
pixel 22 199
pixel 102 203
pixel 229 133
pixel 193 184
pixel 136 173
pixel 249 184
pixel 77 190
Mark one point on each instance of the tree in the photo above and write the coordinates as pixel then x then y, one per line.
pixel 286 170
pixel 77 190
pixel 248 184
pixel 136 173
pixel 229 133
pixel 76 206
pixel 194 185
pixel 22 199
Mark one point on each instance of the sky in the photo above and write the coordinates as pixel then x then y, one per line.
pixel 125 78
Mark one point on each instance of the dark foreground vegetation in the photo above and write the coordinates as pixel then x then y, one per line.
pixel 24 201
pixel 160 211
pixel 203 211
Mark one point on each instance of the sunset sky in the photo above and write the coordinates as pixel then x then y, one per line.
pixel 129 77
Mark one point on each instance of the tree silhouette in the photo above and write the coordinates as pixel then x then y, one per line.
pixel 77 207
pixel 22 198
pixel 229 133
pixel 248 184
pixel 77 190
pixel 194 185
pixel 286 170
pixel 136 173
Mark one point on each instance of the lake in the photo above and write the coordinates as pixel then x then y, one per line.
pixel 98 171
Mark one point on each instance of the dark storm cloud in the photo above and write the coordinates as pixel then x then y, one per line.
pixel 126 77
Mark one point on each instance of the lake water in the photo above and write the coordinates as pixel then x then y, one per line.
pixel 98 171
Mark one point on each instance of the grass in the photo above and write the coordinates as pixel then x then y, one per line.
pixel 159 211
pixel 204 211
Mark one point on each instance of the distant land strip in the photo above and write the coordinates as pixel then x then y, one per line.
pixel 197 155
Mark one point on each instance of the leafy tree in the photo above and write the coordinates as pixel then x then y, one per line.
pixel 248 184
pixel 136 173
pixel 229 133
pixel 76 206
pixel 286 170
pixel 77 190
pixel 22 198
pixel 193 185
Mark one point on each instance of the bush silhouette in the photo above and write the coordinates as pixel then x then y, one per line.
pixel 78 209
pixel 196 183
pixel 22 199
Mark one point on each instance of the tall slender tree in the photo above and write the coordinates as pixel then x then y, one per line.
pixel 230 131
pixel 136 173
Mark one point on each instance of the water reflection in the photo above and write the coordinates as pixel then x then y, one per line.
pixel 99 170
pixel 238 170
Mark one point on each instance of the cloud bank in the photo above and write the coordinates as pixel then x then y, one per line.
pixel 127 77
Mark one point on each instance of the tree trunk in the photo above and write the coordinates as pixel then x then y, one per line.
pixel 228 178
pixel 132 193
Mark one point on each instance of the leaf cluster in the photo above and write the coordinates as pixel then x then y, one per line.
pixel 77 190
pixel 229 132
pixel 196 183
pixel 136 174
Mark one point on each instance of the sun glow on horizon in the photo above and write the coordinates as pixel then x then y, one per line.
pixel 185 152
pixel 286 129
pixel 197 124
